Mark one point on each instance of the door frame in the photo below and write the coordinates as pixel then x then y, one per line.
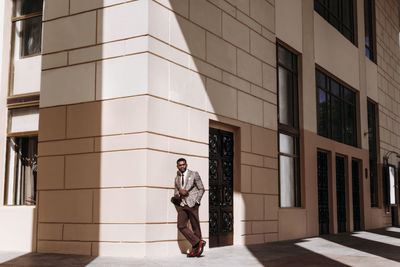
pixel 236 176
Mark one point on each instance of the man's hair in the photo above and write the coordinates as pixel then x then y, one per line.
pixel 181 159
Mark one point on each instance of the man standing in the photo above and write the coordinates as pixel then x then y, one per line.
pixel 189 190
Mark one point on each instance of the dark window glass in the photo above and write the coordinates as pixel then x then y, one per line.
pixel 288 121
pixel 26 7
pixel 336 110
pixel 369 29
pixel 373 157
pixel 27 27
pixel 339 13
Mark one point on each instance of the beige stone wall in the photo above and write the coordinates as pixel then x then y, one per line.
pixel 130 86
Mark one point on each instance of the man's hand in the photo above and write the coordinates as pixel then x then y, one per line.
pixel 183 192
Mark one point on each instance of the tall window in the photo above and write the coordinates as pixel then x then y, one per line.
pixel 22 102
pixel 21 164
pixel 288 124
pixel 336 110
pixel 26 46
pixel 369 18
pixel 373 157
pixel 339 13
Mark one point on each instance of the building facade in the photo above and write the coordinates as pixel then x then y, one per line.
pixel 288 109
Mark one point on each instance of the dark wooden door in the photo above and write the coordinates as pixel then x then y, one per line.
pixel 355 173
pixel 221 187
pixel 341 194
pixel 323 193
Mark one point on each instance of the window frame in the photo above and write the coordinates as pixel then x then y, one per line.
pixel 15 19
pixel 372 29
pixel 374 199
pixel 342 86
pixel 293 131
pixel 17 134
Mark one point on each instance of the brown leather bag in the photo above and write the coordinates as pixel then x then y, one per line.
pixel 176 200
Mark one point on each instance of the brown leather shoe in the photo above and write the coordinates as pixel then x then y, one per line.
pixel 192 253
pixel 200 248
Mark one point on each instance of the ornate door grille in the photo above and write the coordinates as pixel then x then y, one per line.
pixel 221 187
pixel 323 200
pixel 341 194
pixel 356 195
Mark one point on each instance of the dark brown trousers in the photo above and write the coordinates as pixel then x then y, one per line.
pixel 185 214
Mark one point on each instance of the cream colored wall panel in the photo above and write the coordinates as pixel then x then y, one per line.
pixel 179 6
pixel 253 239
pixel 124 76
pixel 187 87
pixel 235 32
pixel 264 94
pixel 198 126
pixel 159 18
pixel 162 117
pixel 55 8
pixel 53 148
pixel 245 179
pixel 236 82
pixel 270 116
pixel 124 141
pixel 105 232
pixel 54 60
pixel 243 5
pixel 372 79
pixel 157 201
pixel 206 15
pixel 107 117
pixel 130 19
pixel 264 141
pixel 253 207
pixel 220 53
pixel 66 206
pixel 222 99
pixel 289 230
pixel 69 32
pixel 262 48
pixel 264 13
pixel 23 120
pixel 222 4
pixel 119 249
pixel 186 147
pixel 159 77
pixel 271 163
pixel 62 247
pixel 269 77
pixel 80 6
pixel 264 181
pixel 17 228
pixel 188 36
pixel 335 53
pixel 50 172
pixel 166 164
pixel 26 75
pixel 251 23
pixel 68 85
pixel 252 159
pixel 288 21
pixel 52 123
pixel 250 109
pixel 123 205
pixel 97 52
pixel 249 67
pixel 204 68
pixel 50 231
pixel 271 206
pixel 110 169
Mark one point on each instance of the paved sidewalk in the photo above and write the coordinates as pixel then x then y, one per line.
pixel 365 248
